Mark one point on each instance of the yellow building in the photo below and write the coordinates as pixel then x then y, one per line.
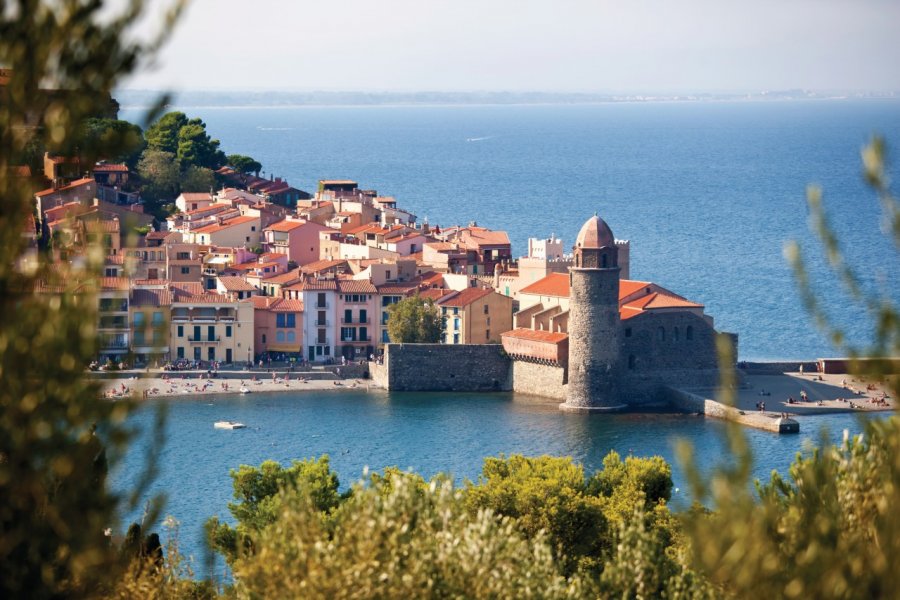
pixel 475 316
pixel 211 327
pixel 150 316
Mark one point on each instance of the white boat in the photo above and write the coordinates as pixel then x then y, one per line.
pixel 244 390
pixel 228 425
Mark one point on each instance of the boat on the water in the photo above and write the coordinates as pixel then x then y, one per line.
pixel 228 425
pixel 245 390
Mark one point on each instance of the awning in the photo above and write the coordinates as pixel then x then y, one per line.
pixel 281 348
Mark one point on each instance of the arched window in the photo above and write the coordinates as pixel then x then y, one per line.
pixel 290 336
pixel 279 336
pixel 675 334
pixel 631 361
pixel 689 334
pixel 661 334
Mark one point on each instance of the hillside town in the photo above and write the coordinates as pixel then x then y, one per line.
pixel 260 271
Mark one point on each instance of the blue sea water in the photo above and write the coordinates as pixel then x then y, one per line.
pixel 708 193
pixel 428 433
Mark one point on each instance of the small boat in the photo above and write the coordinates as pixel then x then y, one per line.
pixel 229 425
pixel 244 390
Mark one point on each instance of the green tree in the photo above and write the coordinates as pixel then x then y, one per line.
pixel 414 320
pixel 112 139
pixel 244 164
pixel 404 541
pixel 163 134
pixel 55 430
pixel 196 148
pixel 197 179
pixel 258 502
pixel 160 176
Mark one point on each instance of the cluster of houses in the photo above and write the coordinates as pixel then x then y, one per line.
pixel 237 275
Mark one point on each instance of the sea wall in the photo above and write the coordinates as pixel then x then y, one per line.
pixel 777 367
pixel 446 367
pixel 537 379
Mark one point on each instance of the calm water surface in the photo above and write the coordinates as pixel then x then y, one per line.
pixel 707 192
pixel 428 433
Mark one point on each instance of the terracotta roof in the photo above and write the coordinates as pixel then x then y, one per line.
pixel 74 184
pixel 475 237
pixel 229 223
pixel 465 297
pixel 111 168
pixel 207 298
pixel 151 282
pixel 151 297
pixel 193 288
pixel 554 284
pixel 288 305
pixel 236 284
pixel 102 225
pixel 158 235
pixel 658 300
pixel 285 278
pixel 434 293
pixel 114 259
pixel 356 286
pixel 628 287
pixel 113 283
pixel 320 285
pixel 337 182
pixel 285 225
pixel 69 209
pixel 396 289
pixel 536 336
pixel 196 196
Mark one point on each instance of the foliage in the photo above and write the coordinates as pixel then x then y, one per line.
pixel 163 134
pixel 198 179
pixel 160 175
pixel 258 502
pixel 112 139
pixel 830 530
pixel 406 542
pixel 55 501
pixel 196 148
pixel 244 164
pixel 414 320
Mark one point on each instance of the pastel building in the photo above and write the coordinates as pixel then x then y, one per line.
pixel 357 305
pixel 278 326
pixel 319 306
pixel 211 327
pixel 475 316
pixel 298 240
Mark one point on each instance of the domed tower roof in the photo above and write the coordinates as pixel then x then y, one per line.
pixel 595 233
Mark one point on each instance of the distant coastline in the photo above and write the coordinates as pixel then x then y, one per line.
pixel 137 99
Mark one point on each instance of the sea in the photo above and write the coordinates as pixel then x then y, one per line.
pixel 708 194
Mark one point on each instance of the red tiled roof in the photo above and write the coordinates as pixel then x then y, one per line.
pixel 321 265
pixel 628 287
pixel 236 284
pixel 288 305
pixel 285 278
pixel 536 336
pixel 151 297
pixel 465 297
pixel 225 225
pixel 110 168
pixel 158 235
pixel 356 286
pixel 196 196
pixel 285 225
pixel 320 285
pixel 151 282
pixel 69 209
pixel 396 289
pixel 554 284
pixel 434 293
pixel 74 184
pixel 113 283
pixel 192 288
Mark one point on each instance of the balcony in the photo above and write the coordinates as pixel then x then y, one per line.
pixel 320 323
pixel 202 340
pixel 350 340
pixel 322 305
pixel 365 321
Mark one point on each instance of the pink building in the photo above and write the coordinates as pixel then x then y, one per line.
pixel 299 240
pixel 357 308
pixel 277 326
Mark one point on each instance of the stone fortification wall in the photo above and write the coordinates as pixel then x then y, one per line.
pixel 446 367
pixel 667 341
pixel 779 367
pixel 539 380
pixel 651 388
pixel 379 374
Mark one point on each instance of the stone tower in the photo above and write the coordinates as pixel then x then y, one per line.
pixel 594 320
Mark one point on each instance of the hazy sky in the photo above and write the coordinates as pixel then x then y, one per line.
pixel 529 45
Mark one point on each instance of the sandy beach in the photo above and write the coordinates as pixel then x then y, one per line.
pixel 175 386
pixel 824 394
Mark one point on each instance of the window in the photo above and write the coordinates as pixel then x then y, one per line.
pixel 263 338
pixel 279 336
pixel 211 332
pixel 181 331
pixel 487 335
pixel 689 333
pixel 139 338
pixel 183 256
pixel 488 322
pixel 228 331
pixel 138 320
pixel 196 334
pixel 348 316
pixel 455 338
pixel 321 336
pixel 456 324
pixel 291 319
pixel 348 334
pixel 675 334
pixel 179 352
pixel 363 334
pixel 185 270
pixel 363 317
pixel 455 310
pixel 157 318
pixel 443 310
pixel 253 228
pixel 384 337
pixel 291 336
pixel 321 301
pixel 485 309
pixel 387 274
pixel 327 350
pixel 279 320
pixel 111 272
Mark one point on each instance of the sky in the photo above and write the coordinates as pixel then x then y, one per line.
pixel 621 46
